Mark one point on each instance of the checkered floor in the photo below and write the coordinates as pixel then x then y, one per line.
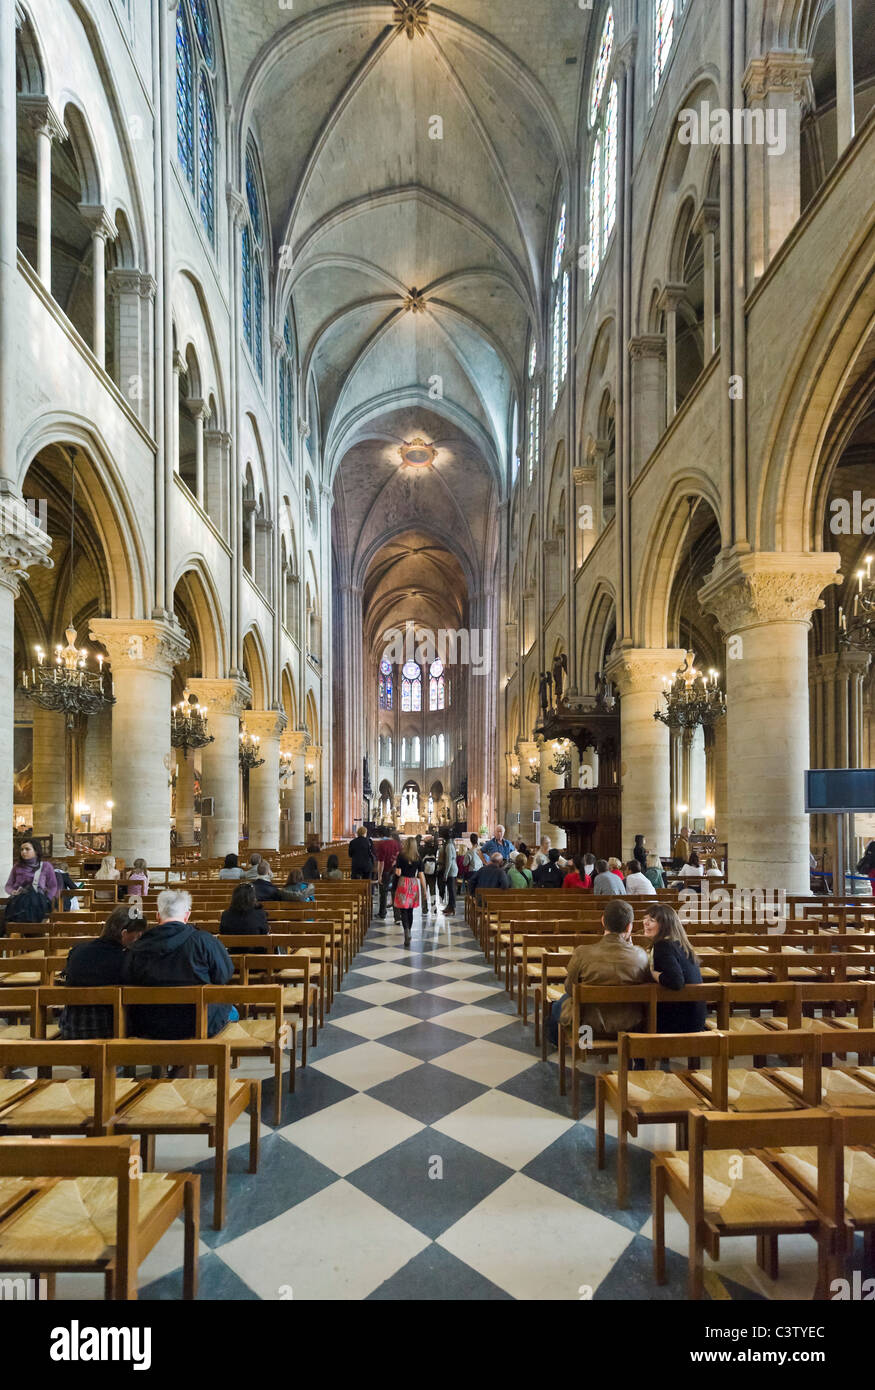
pixel 426 1154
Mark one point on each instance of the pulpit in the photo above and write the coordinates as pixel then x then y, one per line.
pixel 589 815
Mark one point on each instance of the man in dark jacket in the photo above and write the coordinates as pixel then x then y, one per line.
pixel 387 851
pixel 549 875
pixel 97 964
pixel 175 953
pixel 361 854
pixel 492 875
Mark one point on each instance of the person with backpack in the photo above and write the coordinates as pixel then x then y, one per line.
pixel 429 869
pixel 549 875
pixel 473 860
pixel 409 881
pixel 32 886
pixel 448 869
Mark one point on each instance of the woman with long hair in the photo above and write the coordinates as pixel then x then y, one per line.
pixel 32 885
pixel 673 964
pixel 410 885
pixel 244 915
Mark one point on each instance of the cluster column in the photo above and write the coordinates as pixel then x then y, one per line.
pixel 295 743
pixel 142 654
pixel 50 777
pixel 644 765
pixel 264 788
pixel 220 762
pixel 530 766
pixel 763 603
pixel 550 781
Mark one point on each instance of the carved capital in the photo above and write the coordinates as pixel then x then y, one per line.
pixel 637 670
pixel 122 281
pixel 294 741
pixel 141 644
pixel 647 345
pixel 671 297
pixel 780 71
pixel 42 116
pixel 225 696
pixel 707 221
pixel 265 723
pixel 747 591
pixel 23 544
pixel 99 221
pixel 238 208
pixel 584 475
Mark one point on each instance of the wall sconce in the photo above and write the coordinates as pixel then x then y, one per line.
pixel 309 776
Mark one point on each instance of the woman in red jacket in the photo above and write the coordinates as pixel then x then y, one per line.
pixel 577 877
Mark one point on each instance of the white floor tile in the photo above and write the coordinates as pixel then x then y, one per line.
pixel 509 1130
pixel 381 993
pixel 375 1023
pixel 483 1061
pixel 351 1133
pixel 366 1066
pixel 474 1021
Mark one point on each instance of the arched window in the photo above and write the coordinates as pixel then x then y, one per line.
pixel 441 751
pixel 436 686
pixel 561 290
pixel 287 394
pixel 386 686
pixel 252 274
pixel 411 688
pixel 603 115
pixel 195 106
pixel 663 37
pixel 534 430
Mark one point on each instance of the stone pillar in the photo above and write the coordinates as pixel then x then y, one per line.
pixel 585 511
pixel 178 371
pixel 130 296
pixel 264 789
pixel 199 411
pixel 776 86
pixel 649 391
pixel 644 767
pixel 707 224
pixel 220 762
pixel 184 797
pixel 845 117
pixel 50 777
pixel 295 743
pixel 102 231
pixel 217 451
pixel 550 780
pixel 512 795
pixel 721 786
pixel 143 654
pixel 668 302
pixel 47 126
pixel 529 792
pixel 763 603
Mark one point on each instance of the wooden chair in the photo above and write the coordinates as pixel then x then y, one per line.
pixel 257 1037
pixel 20 1017
pixel 76 1105
pixel 60 1199
pixel 187 1105
pixel 299 994
pixel 56 997
pixel 583 995
pixel 837 1087
pixel 724 1187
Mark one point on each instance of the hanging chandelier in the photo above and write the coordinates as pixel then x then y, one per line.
pixel 857 629
pixel 309 776
pixel 188 725
pixel 514 773
pixel 249 752
pixel 691 698
pixel 534 773
pixel 287 772
pixel 561 763
pixel 68 684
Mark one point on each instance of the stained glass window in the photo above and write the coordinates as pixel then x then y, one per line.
pixel 610 171
pixel 411 688
pixel 203 29
pixel 557 349
pixel 533 358
pixel 287 335
pixel 386 687
pixel 258 305
pixel 206 151
pixel 184 98
pixel 246 276
pixel 559 246
pixel 603 63
pixel 534 431
pixel 594 240
pixel 436 686
pixel 290 402
pixel 282 393
pixel 252 197
pixel 663 38
pixel 566 291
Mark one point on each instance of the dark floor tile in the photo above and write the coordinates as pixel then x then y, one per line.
pixel 568 1166
pixel 632 1278
pixel 426 1040
pixel 423 1005
pixel 435 1276
pixel 216 1282
pixel 540 1086
pixel 313 1092
pixel 428 1093
pixel 286 1176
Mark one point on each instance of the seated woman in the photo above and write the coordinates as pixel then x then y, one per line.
pixel 333 870
pixel 518 875
pixel 310 871
pixel 138 879
pixel 243 916
pixel 712 869
pixel 615 867
pixel 577 877
pixel 673 964
pixel 654 871
pixel 231 867
pixel 296 890
pixel 32 886
pixel 97 963
pixel 692 868
pixel 108 870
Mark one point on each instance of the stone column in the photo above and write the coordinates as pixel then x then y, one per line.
pixel 220 762
pixel 50 777
pixel 47 126
pixel 130 297
pixel 102 231
pixel 199 411
pixel 512 794
pixel 217 450
pixel 295 742
pixel 550 780
pixel 178 371
pixel 585 511
pixel 143 654
pixel 529 792
pixel 721 788
pixel 649 392
pixel 22 546
pixel 184 797
pixel 763 603
pixel 264 789
pixel 707 225
pixel 644 767
pixel 776 87
pixel 845 117
pixel 668 302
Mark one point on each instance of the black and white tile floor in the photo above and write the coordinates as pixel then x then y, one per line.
pixel 426 1154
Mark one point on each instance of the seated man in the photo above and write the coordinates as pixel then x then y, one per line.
pixel 176 953
pixel 251 871
pixel 614 961
pixel 263 885
pixel 492 875
pixel 549 875
pixel 605 882
pixel 98 963
pixel 638 885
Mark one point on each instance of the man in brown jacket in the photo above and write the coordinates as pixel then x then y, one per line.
pixel 614 961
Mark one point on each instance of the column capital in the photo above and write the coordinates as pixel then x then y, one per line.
pixel 265 723
pixel 238 209
pixel 784 70
pixel 23 544
pixel 852 662
pixel 636 669
pixel 228 696
pixel 180 366
pixel 583 475
pixel 145 644
pixel 647 345
pixel 42 116
pixel 294 741
pixel 627 51
pixel 125 281
pixel 760 587
pixel 671 297
pixel 221 438
pixel 198 410
pixel 98 219
pixel 707 219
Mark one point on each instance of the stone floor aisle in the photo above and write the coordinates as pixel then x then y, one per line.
pixel 426 1154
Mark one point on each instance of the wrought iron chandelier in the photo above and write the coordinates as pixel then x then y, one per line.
pixel 534 773
pixel 514 774
pixel 691 698
pixel 249 751
pixel 188 725
pixel 309 776
pixel 857 628
pixel 287 772
pixel 561 763
pixel 68 684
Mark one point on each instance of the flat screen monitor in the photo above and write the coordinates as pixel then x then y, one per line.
pixel 840 789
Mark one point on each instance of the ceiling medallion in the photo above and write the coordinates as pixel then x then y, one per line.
pixel 415 301
pixel 418 453
pixel 411 17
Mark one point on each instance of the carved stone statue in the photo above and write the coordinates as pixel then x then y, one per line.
pixel 545 686
pixel 560 673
